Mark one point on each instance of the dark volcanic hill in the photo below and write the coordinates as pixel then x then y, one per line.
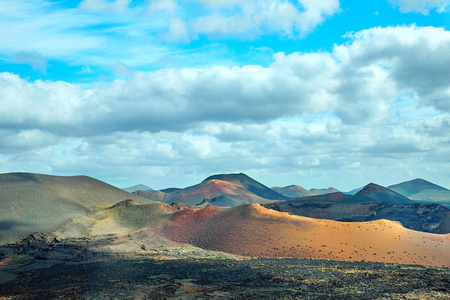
pixel 323 191
pixel 248 183
pixel 423 191
pixel 221 190
pixel 376 193
pixel 354 191
pixel 292 191
pixel 35 202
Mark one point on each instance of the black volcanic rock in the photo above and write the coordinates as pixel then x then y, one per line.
pixel 35 238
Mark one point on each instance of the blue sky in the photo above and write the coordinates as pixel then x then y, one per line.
pixel 316 93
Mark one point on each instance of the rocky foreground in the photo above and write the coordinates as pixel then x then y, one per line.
pixel 39 268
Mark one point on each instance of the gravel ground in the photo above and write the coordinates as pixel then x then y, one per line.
pixel 74 272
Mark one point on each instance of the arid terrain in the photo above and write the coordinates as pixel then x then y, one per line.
pixel 68 270
pixel 129 248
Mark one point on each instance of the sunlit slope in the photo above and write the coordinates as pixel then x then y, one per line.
pixel 257 231
pixel 35 202
pixel 253 230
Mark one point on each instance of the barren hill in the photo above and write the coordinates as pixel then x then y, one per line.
pixel 422 191
pixel 252 230
pixel 376 193
pixel 35 202
pixel 219 190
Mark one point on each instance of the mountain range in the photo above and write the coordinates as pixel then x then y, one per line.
pixel 373 202
pixel 219 190
pixel 232 213
pixel 139 187
pixel 423 191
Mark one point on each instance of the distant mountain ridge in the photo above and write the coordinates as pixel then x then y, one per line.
pixel 376 193
pixel 323 191
pixel 373 202
pixel 220 190
pixel 370 193
pixel 292 191
pixel 423 191
pixel 139 187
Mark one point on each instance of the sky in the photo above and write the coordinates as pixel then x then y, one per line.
pixel 163 92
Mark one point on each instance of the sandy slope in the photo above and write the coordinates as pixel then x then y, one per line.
pixel 34 202
pixel 256 231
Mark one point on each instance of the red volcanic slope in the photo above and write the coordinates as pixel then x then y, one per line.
pixel 240 188
pixel 256 231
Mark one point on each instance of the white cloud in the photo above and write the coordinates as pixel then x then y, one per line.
pixel 422 6
pixel 306 113
pixel 156 6
pixel 177 31
pixel 358 83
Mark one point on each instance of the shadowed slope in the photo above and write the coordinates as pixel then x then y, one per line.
pixel 34 202
pixel 376 193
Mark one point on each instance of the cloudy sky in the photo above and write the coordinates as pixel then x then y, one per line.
pixel 167 92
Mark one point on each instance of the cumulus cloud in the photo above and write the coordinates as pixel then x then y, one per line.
pixel 305 111
pixel 422 6
pixel 357 82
